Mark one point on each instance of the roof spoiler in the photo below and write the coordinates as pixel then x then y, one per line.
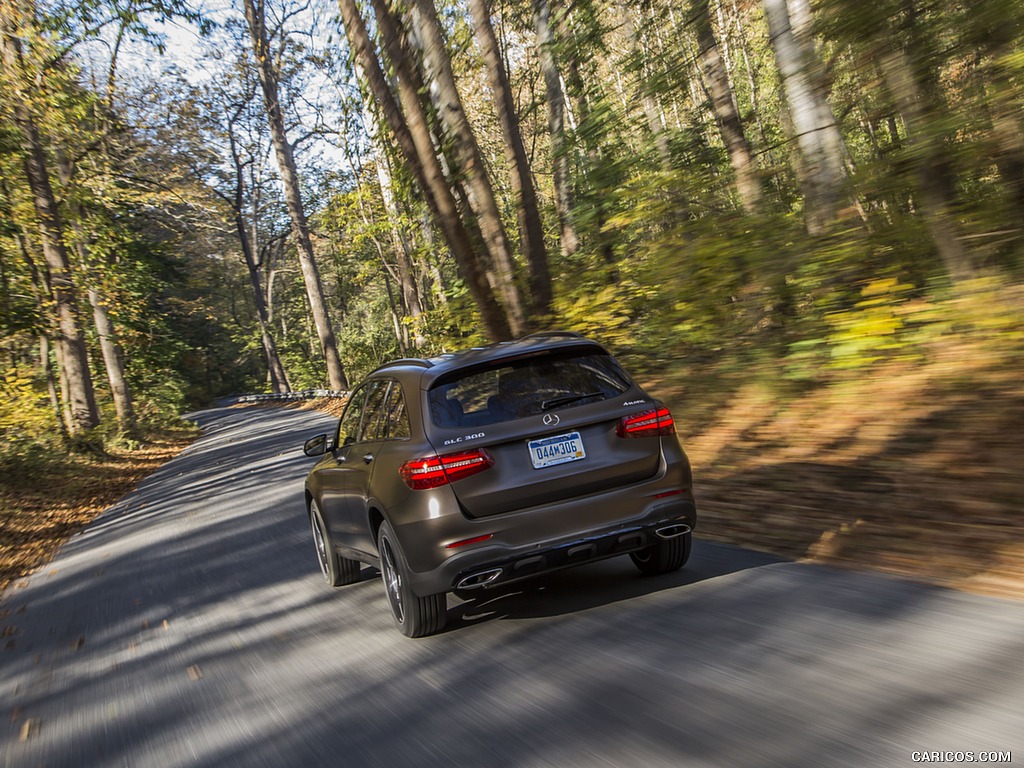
pixel 549 334
pixel 416 361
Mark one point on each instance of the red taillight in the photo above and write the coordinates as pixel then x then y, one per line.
pixel 433 471
pixel 647 424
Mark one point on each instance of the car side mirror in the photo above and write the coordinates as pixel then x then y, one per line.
pixel 316 446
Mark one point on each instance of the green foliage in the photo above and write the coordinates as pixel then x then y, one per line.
pixel 896 322
pixel 25 413
pixel 986 309
pixel 604 314
pixel 874 328
pixel 669 267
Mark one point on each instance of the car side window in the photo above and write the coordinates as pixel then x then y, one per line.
pixel 372 410
pixel 396 422
pixel 348 426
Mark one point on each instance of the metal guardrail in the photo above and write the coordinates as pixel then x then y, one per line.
pixel 305 394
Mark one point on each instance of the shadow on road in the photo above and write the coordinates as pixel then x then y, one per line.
pixel 189 627
pixel 584 587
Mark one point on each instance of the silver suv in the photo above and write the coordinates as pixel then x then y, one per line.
pixel 475 469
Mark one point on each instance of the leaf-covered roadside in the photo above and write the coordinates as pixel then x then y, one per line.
pixel 911 468
pixel 43 503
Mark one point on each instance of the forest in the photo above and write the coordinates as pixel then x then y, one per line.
pixel 276 195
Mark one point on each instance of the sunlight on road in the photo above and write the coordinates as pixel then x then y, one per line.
pixel 190 627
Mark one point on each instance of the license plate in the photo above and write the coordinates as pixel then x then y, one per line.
pixel 558 449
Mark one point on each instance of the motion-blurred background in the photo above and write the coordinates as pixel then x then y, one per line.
pixel 801 223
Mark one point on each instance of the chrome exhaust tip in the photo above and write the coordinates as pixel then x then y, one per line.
pixel 476 580
pixel 672 531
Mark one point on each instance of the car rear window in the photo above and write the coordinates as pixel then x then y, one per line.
pixel 512 390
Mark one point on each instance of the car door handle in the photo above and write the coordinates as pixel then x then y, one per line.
pixel 367 457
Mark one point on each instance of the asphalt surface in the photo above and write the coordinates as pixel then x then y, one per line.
pixel 188 626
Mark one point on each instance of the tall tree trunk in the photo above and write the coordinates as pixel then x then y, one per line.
pixel 400 240
pixel 399 309
pixel 723 102
pixel 71 341
pixel 531 230
pixel 655 122
pixel 110 346
pixel 994 55
pixel 752 85
pixel 113 362
pixel 414 141
pixel 402 248
pixel 930 163
pixel 40 290
pixel 51 386
pixel 1008 140
pixel 816 132
pixel 278 378
pixel 401 333
pixel 430 272
pixel 62 384
pixel 466 150
pixel 268 75
pixel 555 103
pixel 591 131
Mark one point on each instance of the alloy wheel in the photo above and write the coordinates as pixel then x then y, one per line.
pixel 321 545
pixel 392 581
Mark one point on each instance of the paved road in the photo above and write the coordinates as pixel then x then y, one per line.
pixel 188 627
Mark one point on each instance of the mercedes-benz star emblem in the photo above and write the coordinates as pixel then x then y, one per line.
pixel 550 419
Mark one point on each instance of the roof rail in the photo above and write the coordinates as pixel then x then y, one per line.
pixel 545 334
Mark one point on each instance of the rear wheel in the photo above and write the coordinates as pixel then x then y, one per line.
pixel 666 556
pixel 415 616
pixel 337 571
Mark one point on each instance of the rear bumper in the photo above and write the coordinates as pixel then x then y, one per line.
pixel 496 562
pixel 595 546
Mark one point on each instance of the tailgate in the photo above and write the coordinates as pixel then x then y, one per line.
pixel 548 420
pixel 516 482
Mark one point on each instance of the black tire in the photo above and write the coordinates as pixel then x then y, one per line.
pixel 337 571
pixel 414 616
pixel 666 556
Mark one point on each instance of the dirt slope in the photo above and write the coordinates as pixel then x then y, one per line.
pixel 914 470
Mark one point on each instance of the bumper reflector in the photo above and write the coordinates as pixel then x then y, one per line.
pixel 464 542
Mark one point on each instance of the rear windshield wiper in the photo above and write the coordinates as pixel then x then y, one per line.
pixel 554 402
